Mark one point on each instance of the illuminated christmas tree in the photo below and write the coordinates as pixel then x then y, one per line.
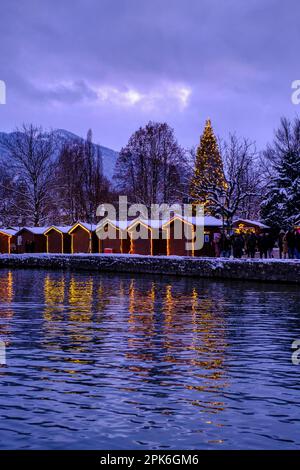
pixel 208 176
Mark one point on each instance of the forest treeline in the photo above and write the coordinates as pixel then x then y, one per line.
pixel 43 182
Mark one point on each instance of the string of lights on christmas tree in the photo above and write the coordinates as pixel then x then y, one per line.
pixel 208 169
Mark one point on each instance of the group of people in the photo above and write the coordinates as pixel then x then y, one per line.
pixel 239 244
pixel 289 244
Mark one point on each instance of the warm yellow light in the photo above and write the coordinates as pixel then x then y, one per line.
pixel 9 238
pixel 78 225
pixel 147 227
pixel 46 233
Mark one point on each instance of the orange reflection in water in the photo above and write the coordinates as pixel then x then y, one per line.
pixel 6 298
pixel 141 323
pixel 54 293
pixel 192 330
pixel 68 302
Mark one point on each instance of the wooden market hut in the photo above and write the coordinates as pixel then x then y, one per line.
pixel 186 227
pixel 31 240
pixel 159 241
pixel 212 228
pixel 177 246
pixel 7 240
pixel 113 236
pixel 84 238
pixel 58 239
pixel 142 244
pixel 248 226
pixel 146 237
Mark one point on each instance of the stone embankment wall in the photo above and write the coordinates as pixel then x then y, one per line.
pixel 255 270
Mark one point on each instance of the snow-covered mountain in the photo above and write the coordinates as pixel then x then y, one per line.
pixel 109 156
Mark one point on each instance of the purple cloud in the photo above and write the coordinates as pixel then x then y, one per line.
pixel 114 65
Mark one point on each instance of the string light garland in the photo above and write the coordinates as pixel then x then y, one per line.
pixel 208 171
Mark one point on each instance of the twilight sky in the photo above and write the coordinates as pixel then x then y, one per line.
pixel 113 65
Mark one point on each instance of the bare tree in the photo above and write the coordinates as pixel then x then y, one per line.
pixel 239 196
pixel 6 185
pixel 92 177
pixel 150 168
pixel 69 181
pixel 81 185
pixel 32 152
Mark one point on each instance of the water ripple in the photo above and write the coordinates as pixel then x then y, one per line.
pixel 104 361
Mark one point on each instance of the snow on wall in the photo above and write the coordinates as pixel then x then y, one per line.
pixel 257 270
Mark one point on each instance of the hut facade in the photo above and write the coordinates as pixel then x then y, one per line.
pixel 146 237
pixel 178 232
pixel 84 238
pixel 31 240
pixel 248 226
pixel 159 240
pixel 140 238
pixel 212 231
pixel 8 241
pixel 113 236
pixel 58 239
pixel 181 230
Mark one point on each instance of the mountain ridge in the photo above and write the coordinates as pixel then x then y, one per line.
pixel 109 156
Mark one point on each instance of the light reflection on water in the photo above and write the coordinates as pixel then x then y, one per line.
pixel 122 361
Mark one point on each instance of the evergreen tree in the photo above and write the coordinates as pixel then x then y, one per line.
pixel 281 205
pixel 208 172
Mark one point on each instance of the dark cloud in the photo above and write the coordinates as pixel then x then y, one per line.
pixel 113 65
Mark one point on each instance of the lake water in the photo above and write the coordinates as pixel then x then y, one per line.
pixel 135 362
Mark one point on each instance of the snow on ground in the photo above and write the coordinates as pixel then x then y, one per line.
pixel 136 256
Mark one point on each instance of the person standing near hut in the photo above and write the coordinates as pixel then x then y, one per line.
pixel 281 243
pixel 238 246
pixel 251 245
pixel 290 237
pixel 271 244
pixel 285 248
pixel 225 246
pixel 217 243
pixel 263 245
pixel 297 245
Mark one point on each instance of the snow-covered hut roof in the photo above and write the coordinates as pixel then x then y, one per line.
pixel 8 231
pixel 207 220
pixel 119 224
pixel 35 230
pixel 254 223
pixel 61 229
pixel 85 225
pixel 154 224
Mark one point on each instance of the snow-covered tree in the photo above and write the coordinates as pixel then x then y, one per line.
pixel 281 205
pixel 238 197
